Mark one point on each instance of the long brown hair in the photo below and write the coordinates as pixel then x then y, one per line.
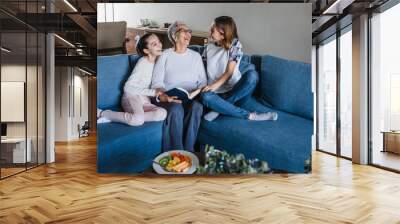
pixel 228 26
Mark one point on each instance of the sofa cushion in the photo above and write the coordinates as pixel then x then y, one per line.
pixel 112 72
pixel 286 85
pixel 256 60
pixel 127 149
pixel 285 144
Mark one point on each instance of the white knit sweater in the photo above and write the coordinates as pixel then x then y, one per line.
pixel 139 81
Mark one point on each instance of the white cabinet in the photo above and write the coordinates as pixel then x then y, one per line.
pixel 17 147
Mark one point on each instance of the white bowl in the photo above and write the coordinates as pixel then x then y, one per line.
pixel 191 170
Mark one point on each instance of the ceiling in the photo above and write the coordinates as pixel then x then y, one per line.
pixel 76 23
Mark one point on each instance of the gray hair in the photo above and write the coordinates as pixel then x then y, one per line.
pixel 172 29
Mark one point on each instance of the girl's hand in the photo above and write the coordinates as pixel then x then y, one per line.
pixel 159 91
pixel 212 87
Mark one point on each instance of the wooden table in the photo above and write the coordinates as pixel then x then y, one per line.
pixel 391 141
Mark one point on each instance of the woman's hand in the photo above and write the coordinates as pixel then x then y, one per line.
pixel 212 87
pixel 169 99
pixel 230 68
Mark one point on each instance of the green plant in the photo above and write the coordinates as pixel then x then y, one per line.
pixel 221 162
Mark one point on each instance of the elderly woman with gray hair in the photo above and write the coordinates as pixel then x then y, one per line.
pixel 181 67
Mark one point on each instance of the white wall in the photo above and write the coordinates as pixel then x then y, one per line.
pixel 69 82
pixel 80 85
pixel 16 72
pixel 282 30
pixel 61 103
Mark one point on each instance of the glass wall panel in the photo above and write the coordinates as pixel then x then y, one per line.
pixel 23 91
pixel 13 94
pixel 41 79
pixel 32 85
pixel 31 98
pixel 346 93
pixel 327 96
pixel 385 89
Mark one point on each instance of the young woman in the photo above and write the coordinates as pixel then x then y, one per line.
pixel 135 100
pixel 226 85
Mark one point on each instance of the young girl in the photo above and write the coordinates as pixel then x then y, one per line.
pixel 226 85
pixel 135 100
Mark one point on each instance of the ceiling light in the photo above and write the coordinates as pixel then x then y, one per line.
pixel 338 6
pixel 64 40
pixel 5 50
pixel 70 5
pixel 326 11
pixel 84 71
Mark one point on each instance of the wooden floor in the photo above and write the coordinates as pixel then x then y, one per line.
pixel 70 191
pixel 387 159
pixel 5 172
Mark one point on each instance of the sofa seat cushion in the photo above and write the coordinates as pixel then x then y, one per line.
pixel 285 144
pixel 286 85
pixel 127 149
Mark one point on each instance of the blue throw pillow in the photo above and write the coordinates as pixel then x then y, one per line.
pixel 286 85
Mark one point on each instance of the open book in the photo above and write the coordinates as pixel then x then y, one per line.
pixel 182 94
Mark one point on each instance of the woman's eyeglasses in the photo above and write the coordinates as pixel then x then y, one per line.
pixel 184 30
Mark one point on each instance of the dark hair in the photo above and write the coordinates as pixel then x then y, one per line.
pixel 142 44
pixel 228 26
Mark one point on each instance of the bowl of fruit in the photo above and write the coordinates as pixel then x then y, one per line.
pixel 176 162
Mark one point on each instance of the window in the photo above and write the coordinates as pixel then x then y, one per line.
pixel 346 92
pixel 327 96
pixel 385 87
pixel 333 137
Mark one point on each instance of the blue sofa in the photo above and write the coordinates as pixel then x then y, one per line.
pixel 284 86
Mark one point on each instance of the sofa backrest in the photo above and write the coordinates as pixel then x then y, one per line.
pixel 286 85
pixel 112 72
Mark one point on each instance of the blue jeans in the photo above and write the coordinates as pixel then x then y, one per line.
pixel 181 125
pixel 224 103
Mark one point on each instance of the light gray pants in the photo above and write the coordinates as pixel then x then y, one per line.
pixel 137 110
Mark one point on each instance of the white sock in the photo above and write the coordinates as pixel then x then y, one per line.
pixel 210 116
pixel 99 112
pixel 103 120
pixel 270 116
pixel 100 118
